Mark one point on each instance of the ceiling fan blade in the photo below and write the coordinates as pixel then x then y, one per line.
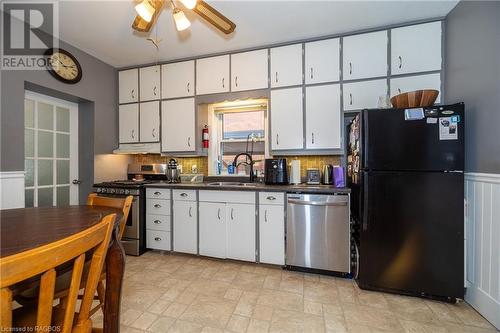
pixel 142 25
pixel 214 17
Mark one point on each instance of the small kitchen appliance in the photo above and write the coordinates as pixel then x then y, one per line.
pixel 275 171
pixel 173 174
pixel 327 174
pixel 313 176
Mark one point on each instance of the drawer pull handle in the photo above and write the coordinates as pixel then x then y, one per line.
pixel 154 90
pixel 157 193
pixel 157 239
pixel 271 198
pixel 184 194
pixel 218 213
pixel 157 206
pixel 400 62
pixel 350 68
pixel 157 222
pixel 232 213
pixel 265 215
pixel 188 86
pixel 350 98
pixel 132 93
pixel 190 215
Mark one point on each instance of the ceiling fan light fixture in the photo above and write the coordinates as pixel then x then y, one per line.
pixel 181 21
pixel 145 10
pixel 189 4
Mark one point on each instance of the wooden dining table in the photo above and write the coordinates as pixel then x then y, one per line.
pixel 28 228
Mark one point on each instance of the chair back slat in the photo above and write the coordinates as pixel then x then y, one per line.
pixel 46 298
pixel 44 260
pixel 122 203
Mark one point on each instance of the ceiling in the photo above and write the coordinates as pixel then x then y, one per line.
pixel 103 28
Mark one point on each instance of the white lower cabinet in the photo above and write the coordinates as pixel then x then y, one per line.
pixel 213 229
pixel 158 231
pixel 240 226
pixel 158 240
pixel 272 234
pixel 185 226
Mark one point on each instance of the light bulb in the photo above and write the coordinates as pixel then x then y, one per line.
pixel 181 21
pixel 189 4
pixel 145 10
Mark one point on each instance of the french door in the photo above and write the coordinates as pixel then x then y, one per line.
pixel 50 150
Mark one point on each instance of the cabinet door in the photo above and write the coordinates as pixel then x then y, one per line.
pixel 177 79
pixel 416 48
pixel 150 121
pixel 149 78
pixel 286 66
pixel 364 95
pixel 411 83
pixel 365 55
pixel 322 61
pixel 272 234
pixel 213 229
pixel 212 75
pixel 128 86
pixel 249 70
pixel 240 221
pixel 178 125
pixel 287 119
pixel 128 123
pixel 323 130
pixel 185 227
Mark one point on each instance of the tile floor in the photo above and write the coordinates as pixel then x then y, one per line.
pixel 180 293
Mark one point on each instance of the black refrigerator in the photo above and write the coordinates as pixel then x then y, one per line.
pixel 405 168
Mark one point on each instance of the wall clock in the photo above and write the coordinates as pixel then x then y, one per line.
pixel 63 66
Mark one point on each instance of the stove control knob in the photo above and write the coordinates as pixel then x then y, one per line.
pixel 122 191
pixel 111 190
pixel 127 191
pixel 98 190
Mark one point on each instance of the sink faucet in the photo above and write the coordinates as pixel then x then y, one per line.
pixel 249 156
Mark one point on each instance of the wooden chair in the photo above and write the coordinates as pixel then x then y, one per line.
pixel 124 204
pixel 42 262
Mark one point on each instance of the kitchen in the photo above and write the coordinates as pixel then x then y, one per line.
pixel 256 190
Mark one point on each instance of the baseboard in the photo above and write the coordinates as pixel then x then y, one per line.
pixel 482 195
pixel 11 189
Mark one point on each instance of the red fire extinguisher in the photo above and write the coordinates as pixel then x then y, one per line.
pixel 204 135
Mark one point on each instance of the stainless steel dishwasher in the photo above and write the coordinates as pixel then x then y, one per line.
pixel 318 232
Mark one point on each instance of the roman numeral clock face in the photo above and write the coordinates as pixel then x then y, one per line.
pixel 63 66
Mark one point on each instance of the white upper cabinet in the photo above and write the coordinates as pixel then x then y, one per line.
pixel 177 79
pixel 178 125
pixel 286 119
pixel 410 83
pixel 322 61
pixel 128 86
pixel 128 123
pixel 416 48
pixel 323 130
pixel 366 94
pixel 149 114
pixel 212 75
pixel 286 66
pixel 365 55
pixel 249 70
pixel 150 78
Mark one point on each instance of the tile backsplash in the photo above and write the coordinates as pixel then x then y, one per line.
pixel 306 162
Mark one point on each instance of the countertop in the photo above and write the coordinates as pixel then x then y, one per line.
pixel 302 188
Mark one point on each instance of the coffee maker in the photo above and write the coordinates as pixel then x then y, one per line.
pixel 275 171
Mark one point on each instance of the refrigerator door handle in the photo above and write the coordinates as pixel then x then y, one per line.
pixel 366 205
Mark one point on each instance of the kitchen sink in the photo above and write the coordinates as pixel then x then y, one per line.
pixel 232 184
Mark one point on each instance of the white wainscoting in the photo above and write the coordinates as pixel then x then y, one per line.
pixel 482 195
pixel 11 189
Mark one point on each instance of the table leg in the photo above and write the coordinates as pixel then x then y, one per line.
pixel 115 266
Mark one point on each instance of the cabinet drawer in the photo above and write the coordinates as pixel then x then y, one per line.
pixel 271 198
pixel 158 240
pixel 228 196
pixel 184 195
pixel 158 222
pixel 158 207
pixel 158 193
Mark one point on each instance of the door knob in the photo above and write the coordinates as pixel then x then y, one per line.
pixel 76 181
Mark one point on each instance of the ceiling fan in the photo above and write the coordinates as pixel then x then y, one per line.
pixel 148 10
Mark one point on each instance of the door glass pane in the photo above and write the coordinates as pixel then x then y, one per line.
pixel 45 116
pixel 62 119
pixel 29 143
pixel 29 173
pixel 62 145
pixel 45 197
pixel 28 198
pixel 63 196
pixel 29 113
pixel 45 172
pixel 62 172
pixel 45 144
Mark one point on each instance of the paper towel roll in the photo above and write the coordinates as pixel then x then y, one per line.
pixel 295 172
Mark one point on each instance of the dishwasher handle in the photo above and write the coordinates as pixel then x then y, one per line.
pixel 317 203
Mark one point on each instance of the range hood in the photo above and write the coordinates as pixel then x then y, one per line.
pixel 138 148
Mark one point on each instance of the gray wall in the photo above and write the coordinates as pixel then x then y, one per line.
pixel 96 95
pixel 473 76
